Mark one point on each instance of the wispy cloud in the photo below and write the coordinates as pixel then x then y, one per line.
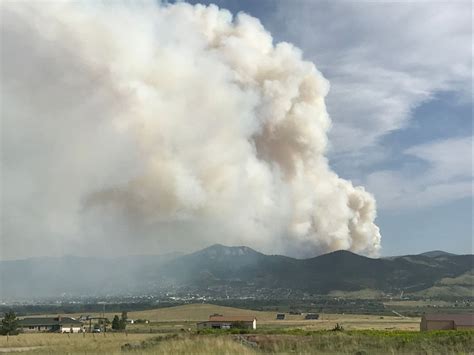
pixel 449 159
pixel 448 176
pixel 382 59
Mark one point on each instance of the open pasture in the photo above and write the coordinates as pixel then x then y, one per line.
pixel 54 343
pixel 186 316
pixel 201 312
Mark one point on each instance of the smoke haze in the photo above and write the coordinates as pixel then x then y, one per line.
pixel 145 128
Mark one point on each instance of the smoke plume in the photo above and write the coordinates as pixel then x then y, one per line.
pixel 147 128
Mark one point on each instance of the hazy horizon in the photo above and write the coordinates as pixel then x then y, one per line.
pixel 187 252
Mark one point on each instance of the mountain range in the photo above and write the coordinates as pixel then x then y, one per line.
pixel 222 267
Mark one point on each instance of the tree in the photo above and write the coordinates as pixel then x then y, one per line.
pixel 116 323
pixel 9 324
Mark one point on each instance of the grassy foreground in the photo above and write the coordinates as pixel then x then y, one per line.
pixel 55 343
pixel 289 341
pixel 369 342
pixel 320 342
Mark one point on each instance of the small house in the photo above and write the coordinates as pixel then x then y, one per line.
pixel 447 322
pixel 50 324
pixel 228 322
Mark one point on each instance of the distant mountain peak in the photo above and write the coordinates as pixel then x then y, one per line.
pixel 436 253
pixel 342 253
pixel 223 250
pixel 238 269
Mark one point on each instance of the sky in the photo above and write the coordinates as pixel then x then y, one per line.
pixel 97 150
pixel 401 106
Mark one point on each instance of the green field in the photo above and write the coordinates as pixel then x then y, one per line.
pixel 173 331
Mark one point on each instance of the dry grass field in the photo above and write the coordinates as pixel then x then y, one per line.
pixel 59 344
pixel 288 341
pixel 200 312
pixel 55 343
pixel 187 315
pixel 195 312
pixel 190 312
pixel 172 331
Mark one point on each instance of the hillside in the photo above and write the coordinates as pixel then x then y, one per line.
pixel 340 270
pixel 220 271
pixel 461 285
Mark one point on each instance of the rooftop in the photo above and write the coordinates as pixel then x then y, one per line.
pixel 46 321
pixel 231 318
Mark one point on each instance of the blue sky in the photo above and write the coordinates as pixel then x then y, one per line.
pixel 401 105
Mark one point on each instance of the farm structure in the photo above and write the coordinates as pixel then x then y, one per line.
pixel 51 324
pixel 223 322
pixel 447 322
pixel 311 316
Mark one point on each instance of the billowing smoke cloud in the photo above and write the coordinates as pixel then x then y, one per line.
pixel 147 128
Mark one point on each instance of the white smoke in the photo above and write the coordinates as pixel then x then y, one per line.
pixel 148 128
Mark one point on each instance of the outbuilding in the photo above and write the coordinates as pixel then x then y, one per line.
pixel 228 322
pixel 447 322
